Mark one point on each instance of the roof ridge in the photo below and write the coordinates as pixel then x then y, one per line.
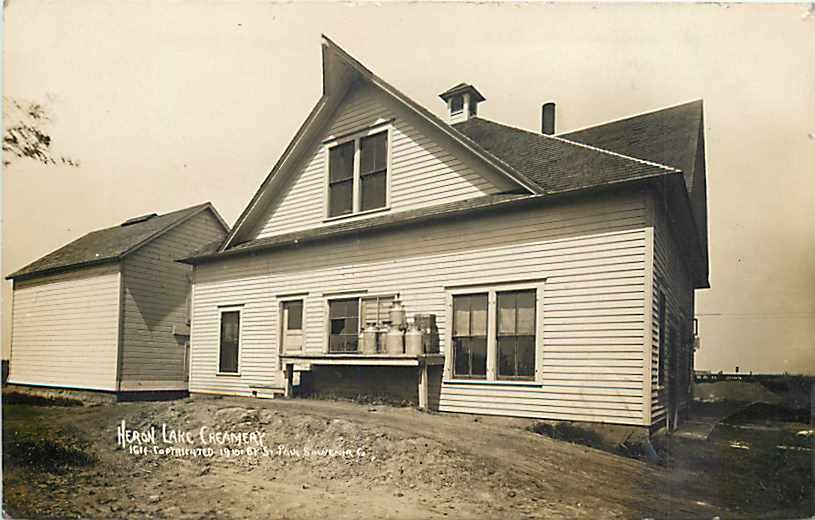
pixel 616 154
pixel 633 116
pixel 582 145
pixel 159 215
pixel 56 260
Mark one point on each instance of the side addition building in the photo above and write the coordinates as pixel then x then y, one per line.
pixel 110 311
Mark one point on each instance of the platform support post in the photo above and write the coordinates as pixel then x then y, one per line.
pixel 289 391
pixel 422 385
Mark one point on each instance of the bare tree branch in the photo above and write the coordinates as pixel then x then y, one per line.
pixel 25 136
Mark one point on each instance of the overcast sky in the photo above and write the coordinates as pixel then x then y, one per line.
pixel 170 104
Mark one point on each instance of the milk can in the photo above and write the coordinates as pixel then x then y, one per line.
pixel 369 339
pixel 413 340
pixel 394 341
pixel 397 314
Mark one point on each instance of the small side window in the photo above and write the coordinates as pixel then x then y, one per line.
pixel 229 342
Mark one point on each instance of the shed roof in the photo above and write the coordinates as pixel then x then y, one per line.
pixel 110 244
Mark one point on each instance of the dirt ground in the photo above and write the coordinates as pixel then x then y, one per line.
pixel 64 462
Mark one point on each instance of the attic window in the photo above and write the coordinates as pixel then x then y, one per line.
pixel 136 220
pixel 358 174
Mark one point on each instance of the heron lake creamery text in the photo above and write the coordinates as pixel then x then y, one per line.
pixel 205 435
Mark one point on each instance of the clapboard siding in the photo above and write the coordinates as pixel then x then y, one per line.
pixel 65 329
pixel 671 277
pixel 155 300
pixel 592 254
pixel 423 173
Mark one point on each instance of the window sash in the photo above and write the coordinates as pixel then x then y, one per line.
pixel 343 323
pixel 470 325
pixel 516 334
pixel 375 309
pixel 229 345
pixel 341 198
pixel 341 162
pixel 374 190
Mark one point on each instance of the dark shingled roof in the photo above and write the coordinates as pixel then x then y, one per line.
pixel 106 245
pixel 668 136
pixel 554 164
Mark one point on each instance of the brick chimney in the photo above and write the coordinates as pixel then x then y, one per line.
pixel 462 102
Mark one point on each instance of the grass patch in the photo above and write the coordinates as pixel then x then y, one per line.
pixel 569 433
pixel 38 400
pixel 53 454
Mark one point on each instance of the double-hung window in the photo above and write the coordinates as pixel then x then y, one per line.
pixel 347 317
pixel 495 332
pixel 229 346
pixel 358 174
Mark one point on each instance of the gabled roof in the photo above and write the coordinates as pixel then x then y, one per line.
pixel 487 142
pixel 113 243
pixel 340 71
pixel 667 136
pixel 554 164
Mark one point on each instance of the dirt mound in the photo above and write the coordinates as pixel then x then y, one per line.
pixel 330 449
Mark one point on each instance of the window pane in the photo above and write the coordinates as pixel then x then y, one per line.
pixel 457 104
pixel 341 198
pixel 373 190
pixel 375 310
pixel 373 153
pixel 461 316
pixel 478 315
pixel 351 326
pixel 526 356
pixel 526 312
pixel 506 313
pixel 341 162
pixel 461 357
pixel 337 325
pixel 478 353
pixel 335 343
pixel 294 314
pixel 506 356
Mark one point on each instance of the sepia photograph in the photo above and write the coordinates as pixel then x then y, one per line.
pixel 407 260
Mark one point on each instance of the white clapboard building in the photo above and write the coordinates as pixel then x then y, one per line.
pixel 109 312
pixel 560 269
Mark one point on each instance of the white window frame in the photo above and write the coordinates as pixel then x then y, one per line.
pixel 492 289
pixel 221 311
pixel 356 190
